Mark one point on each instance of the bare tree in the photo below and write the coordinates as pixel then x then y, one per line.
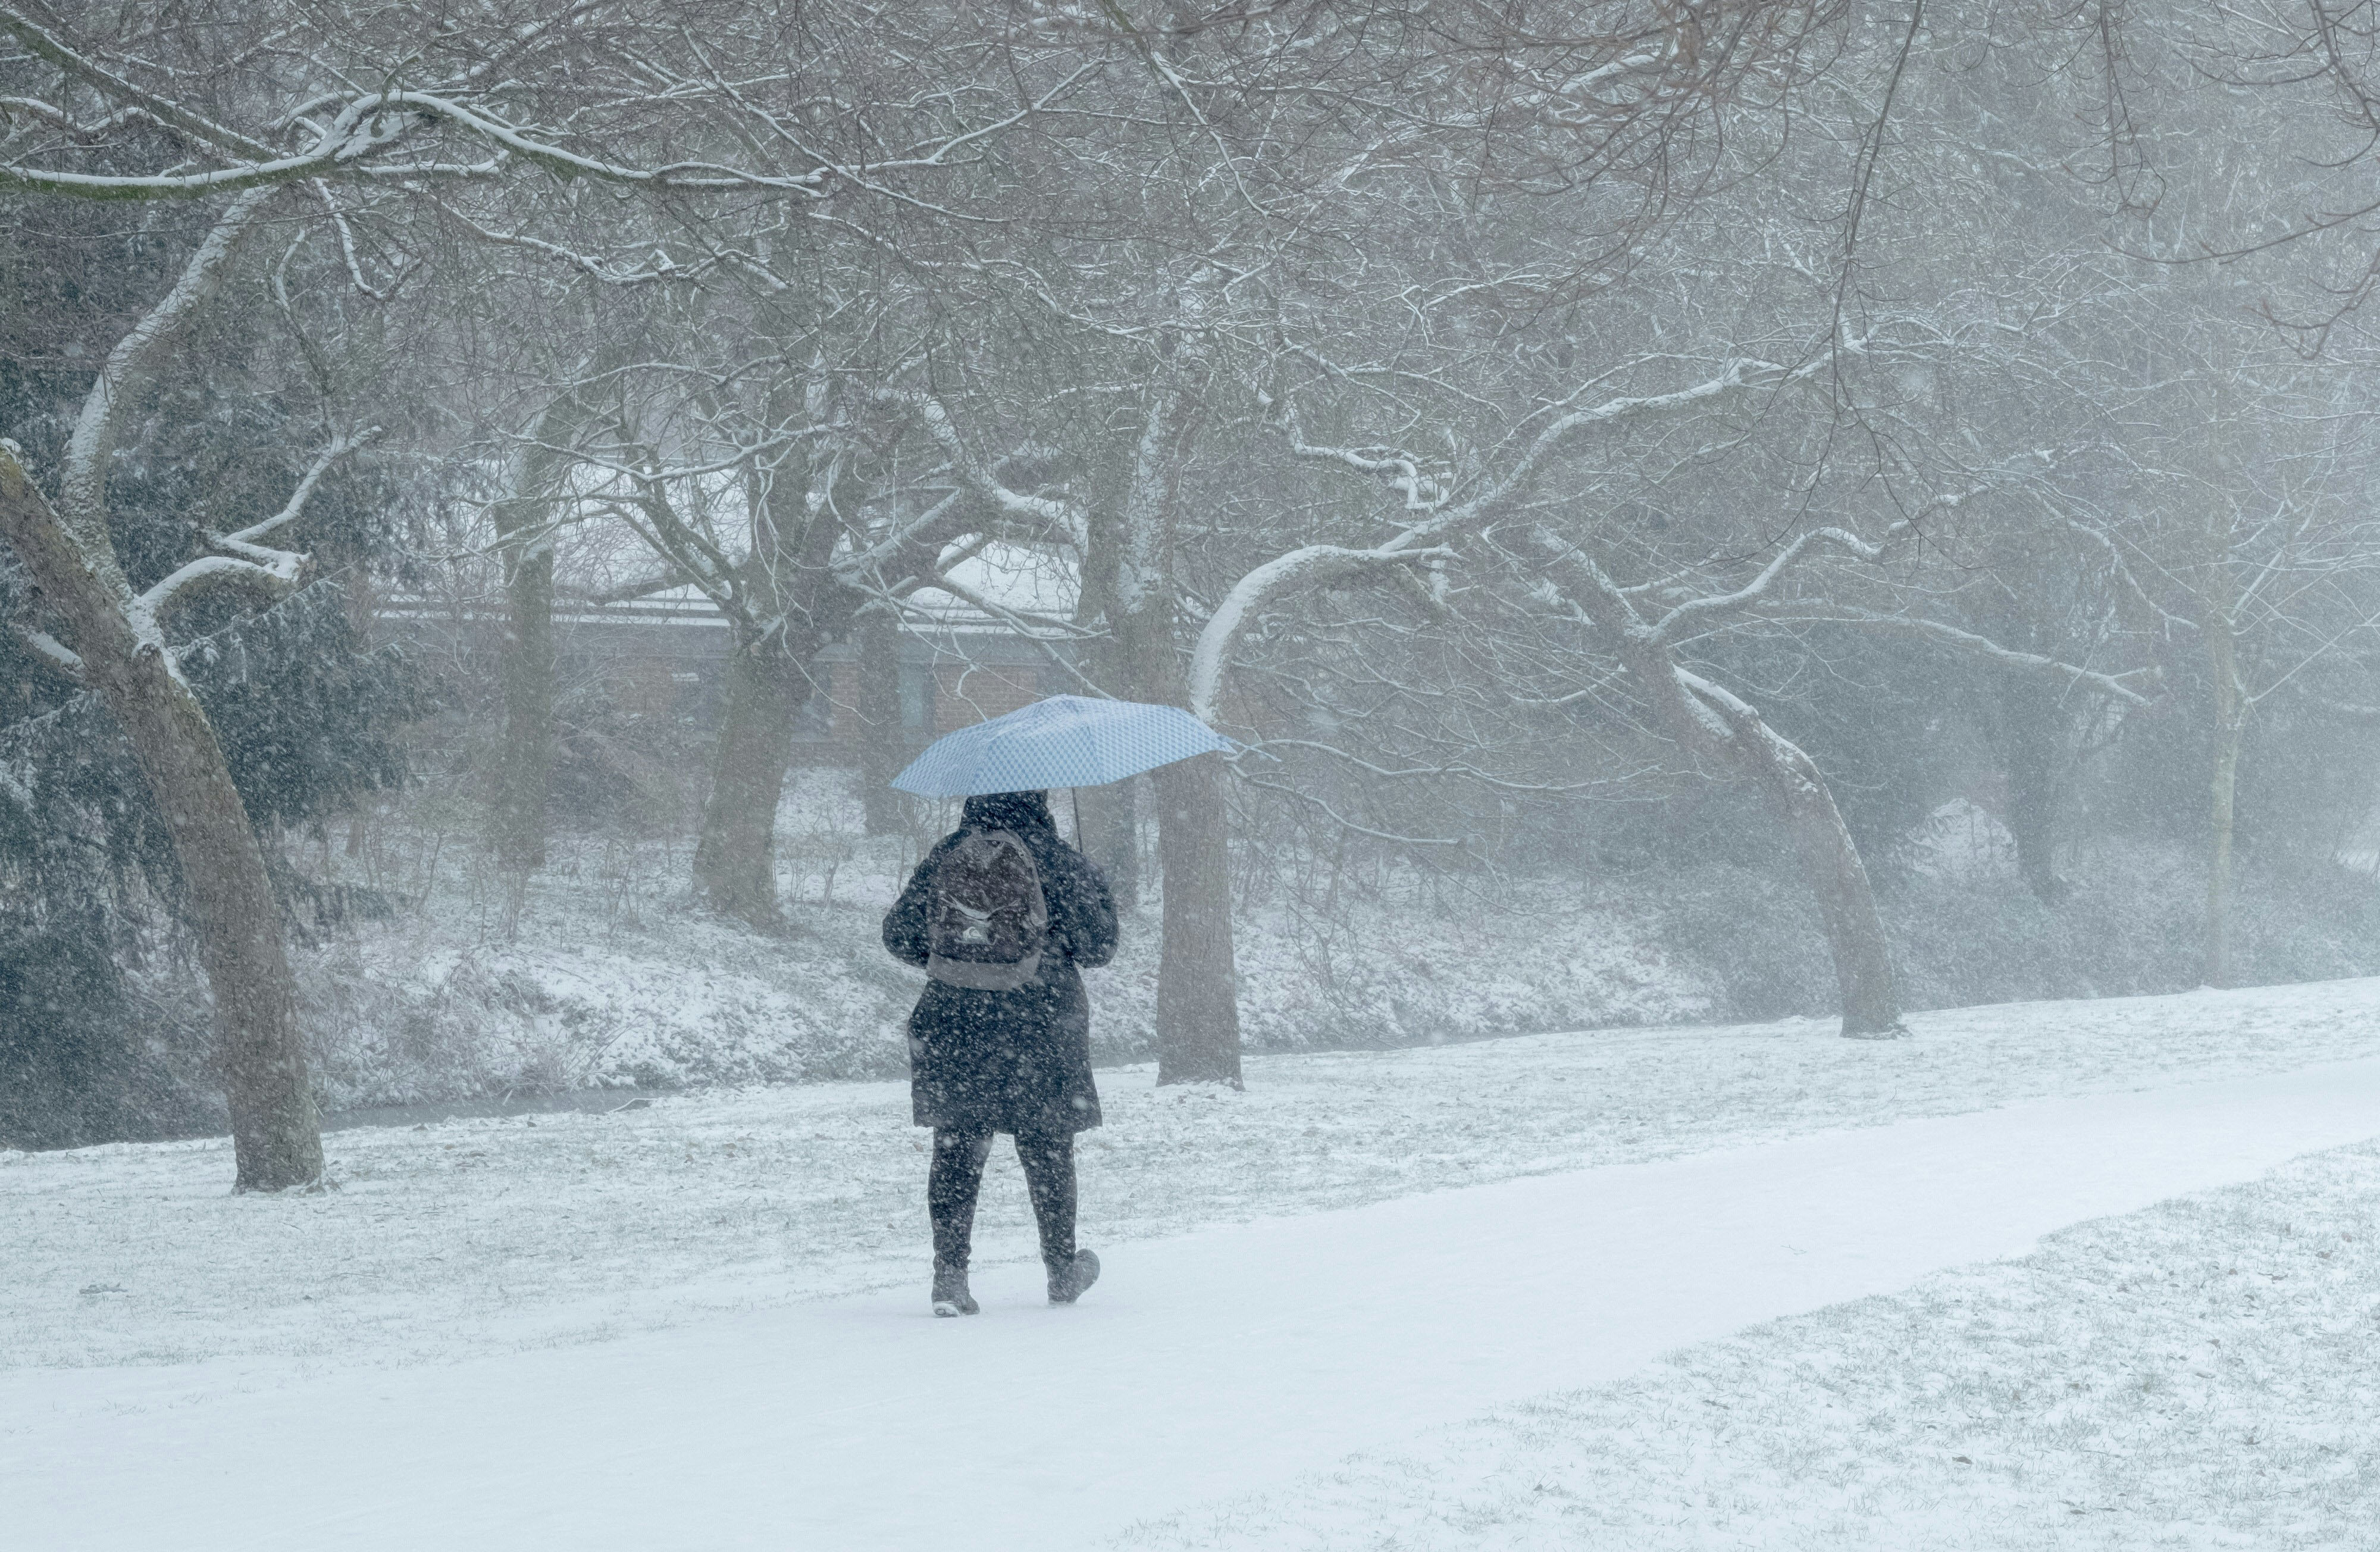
pixel 214 118
pixel 120 649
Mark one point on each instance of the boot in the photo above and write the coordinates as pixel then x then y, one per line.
pixel 951 1295
pixel 1071 1278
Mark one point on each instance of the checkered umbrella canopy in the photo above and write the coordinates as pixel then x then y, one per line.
pixel 1065 741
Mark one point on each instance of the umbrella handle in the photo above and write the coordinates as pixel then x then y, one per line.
pixel 1075 794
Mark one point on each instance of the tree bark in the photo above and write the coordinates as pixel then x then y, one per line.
pixel 787 606
pixel 1197 977
pixel 276 1135
pixel 2035 723
pixel 884 744
pixel 525 530
pixel 1705 717
pixel 1836 879
pixel 736 860
pixel 1111 837
pixel 1111 814
pixel 525 757
pixel 2230 721
pixel 1197 1008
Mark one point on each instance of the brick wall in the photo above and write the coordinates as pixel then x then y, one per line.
pixel 955 693
pixel 965 693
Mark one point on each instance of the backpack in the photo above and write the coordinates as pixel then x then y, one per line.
pixel 987 919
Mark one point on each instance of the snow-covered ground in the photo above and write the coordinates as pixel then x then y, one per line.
pixel 147 1309
pixel 2205 1374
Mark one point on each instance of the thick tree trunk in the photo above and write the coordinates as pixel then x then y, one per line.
pixel 735 861
pixel 1830 860
pixel 1198 983
pixel 883 745
pixel 1111 837
pixel 1111 814
pixel 276 1136
pixel 1198 978
pixel 2034 722
pixel 2230 722
pixel 1707 717
pixel 1838 882
pixel 525 757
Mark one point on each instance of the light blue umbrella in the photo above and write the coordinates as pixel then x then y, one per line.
pixel 1065 741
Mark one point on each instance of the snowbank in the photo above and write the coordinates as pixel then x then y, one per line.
pixel 599 971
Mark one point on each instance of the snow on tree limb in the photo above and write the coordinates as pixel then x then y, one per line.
pixel 50 650
pixel 934 420
pixel 1751 592
pixel 245 541
pixel 2109 685
pixel 362 125
pixel 249 562
pixel 1460 770
pixel 1315 562
pixel 42 44
pixel 84 482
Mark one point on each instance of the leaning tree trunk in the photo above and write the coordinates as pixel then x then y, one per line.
pixel 735 861
pixel 1714 719
pixel 1836 879
pixel 1198 978
pixel 1705 716
pixel 276 1136
pixel 525 757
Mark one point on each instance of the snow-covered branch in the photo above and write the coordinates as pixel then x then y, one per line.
pixel 373 121
pixel 1713 604
pixel 51 650
pixel 1024 624
pixel 929 526
pixel 1460 772
pixel 65 122
pixel 1342 820
pixel 83 485
pixel 248 561
pixel 1402 470
pixel 1315 562
pixel 935 421
pixel 1740 375
pixel 48 46
pixel 245 542
pixel 2109 685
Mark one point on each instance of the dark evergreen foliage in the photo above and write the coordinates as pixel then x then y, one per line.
pixel 309 718
pixel 81 1058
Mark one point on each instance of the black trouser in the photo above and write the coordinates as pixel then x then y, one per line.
pixel 957 1174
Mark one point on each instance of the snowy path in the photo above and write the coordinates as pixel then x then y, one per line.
pixel 1205 1365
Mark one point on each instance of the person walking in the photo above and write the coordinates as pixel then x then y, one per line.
pixel 1000 914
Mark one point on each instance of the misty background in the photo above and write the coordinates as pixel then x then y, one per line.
pixel 1695 512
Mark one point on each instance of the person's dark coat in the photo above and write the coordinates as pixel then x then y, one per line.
pixel 1010 1061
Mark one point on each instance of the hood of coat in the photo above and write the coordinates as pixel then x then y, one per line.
pixel 1018 811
